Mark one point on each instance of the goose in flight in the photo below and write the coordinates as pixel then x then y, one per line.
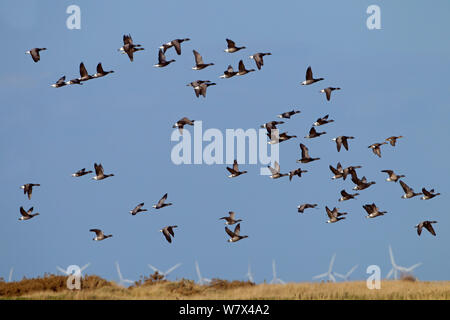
pixel 100 72
pixel 309 77
pixel 232 46
pixel 373 211
pixel 161 203
pixel 322 121
pixel 334 215
pixel 128 47
pixel 342 140
pixel 428 194
pixel 230 219
pixel 201 88
pixel 361 184
pixel 182 122
pixel 99 173
pixel 347 196
pixel 60 83
pixel 427 225
pixel 305 155
pixel 199 64
pixel 301 208
pixel 174 43
pixel 271 125
pixel 84 75
pixel 409 192
pixel 258 57
pixel 350 170
pixel 297 172
pixel 235 236
pixel 392 140
pixel 138 209
pixel 28 188
pixel 81 173
pixel 282 137
pixel 338 171
pixel 99 235
pixel 27 215
pixel 162 62
pixel 34 53
pixel 235 170
pixel 228 73
pixel 392 176
pixel 314 134
pixel 242 69
pixel 376 148
pixel 276 171
pixel 288 115
pixel 167 232
pixel 328 91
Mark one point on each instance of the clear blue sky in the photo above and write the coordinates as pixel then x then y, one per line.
pixel 394 82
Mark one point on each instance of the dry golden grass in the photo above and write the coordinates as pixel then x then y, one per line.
pixel 155 287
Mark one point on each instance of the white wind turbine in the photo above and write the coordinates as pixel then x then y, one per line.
pixel 329 273
pixel 164 274
pixel 201 280
pixel 68 273
pixel 346 276
pixel 249 274
pixel 122 280
pixel 398 269
pixel 275 279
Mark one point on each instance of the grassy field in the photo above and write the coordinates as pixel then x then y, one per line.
pixel 93 287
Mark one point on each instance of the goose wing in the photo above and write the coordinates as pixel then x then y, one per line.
pixel 229 232
pixel 23 212
pixel 198 57
pixel 309 74
pixel 177 46
pixel 161 56
pixel 167 235
pixel 304 151
pixel 83 71
pixel 98 232
pixel 161 201
pixel 429 227
pixel 230 43
pixel 235 166
pixel 405 187
pixel 241 66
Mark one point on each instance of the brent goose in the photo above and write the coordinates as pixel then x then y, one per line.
pixel 162 62
pixel 322 121
pixel 128 47
pixel 350 170
pixel 313 133
pixel 304 206
pixel 235 236
pixel 84 76
pixel 99 235
pixel 167 232
pixel 309 77
pixel 288 115
pixel 235 170
pixel 228 73
pixel 196 85
pixel 230 219
pixel 305 155
pixel 328 90
pixel 174 43
pixel 138 209
pixel 373 211
pixel 393 140
pixel 199 64
pixel 26 215
pixel 271 125
pixel 428 194
pixel 101 72
pixel 427 225
pixel 282 137
pixel 182 122
pixel 376 148
pixel 74 81
pixel 99 173
pixel 201 88
pixel 361 184
pixel 161 203
pixel 232 47
pixel 258 57
pixel 392 176
pixel 409 192
pixel 342 140
pixel 60 83
pixel 347 196
pixel 338 172
pixel 334 215
pixel 297 172
pixel 242 69
pixel 81 173
pixel 28 188
pixel 276 171
pixel 35 53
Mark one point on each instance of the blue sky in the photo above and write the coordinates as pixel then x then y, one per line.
pixel 394 82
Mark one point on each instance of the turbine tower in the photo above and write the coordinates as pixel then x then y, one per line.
pixel 201 280
pixel 329 273
pixel 396 269
pixel 122 280
pixel 249 274
pixel 10 274
pixel 275 279
pixel 346 276
pixel 164 274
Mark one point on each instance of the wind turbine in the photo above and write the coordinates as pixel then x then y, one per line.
pixel 329 273
pixel 346 276
pixel 10 274
pixel 249 274
pixel 165 274
pixel 68 273
pixel 122 281
pixel 274 271
pixel 395 268
pixel 201 280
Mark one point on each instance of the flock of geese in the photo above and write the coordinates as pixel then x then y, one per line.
pixel 200 88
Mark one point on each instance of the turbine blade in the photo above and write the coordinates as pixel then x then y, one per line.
pixel 173 268
pixel 62 270
pixel 321 275
pixel 332 277
pixel 331 263
pixel 390 273
pixel 154 269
